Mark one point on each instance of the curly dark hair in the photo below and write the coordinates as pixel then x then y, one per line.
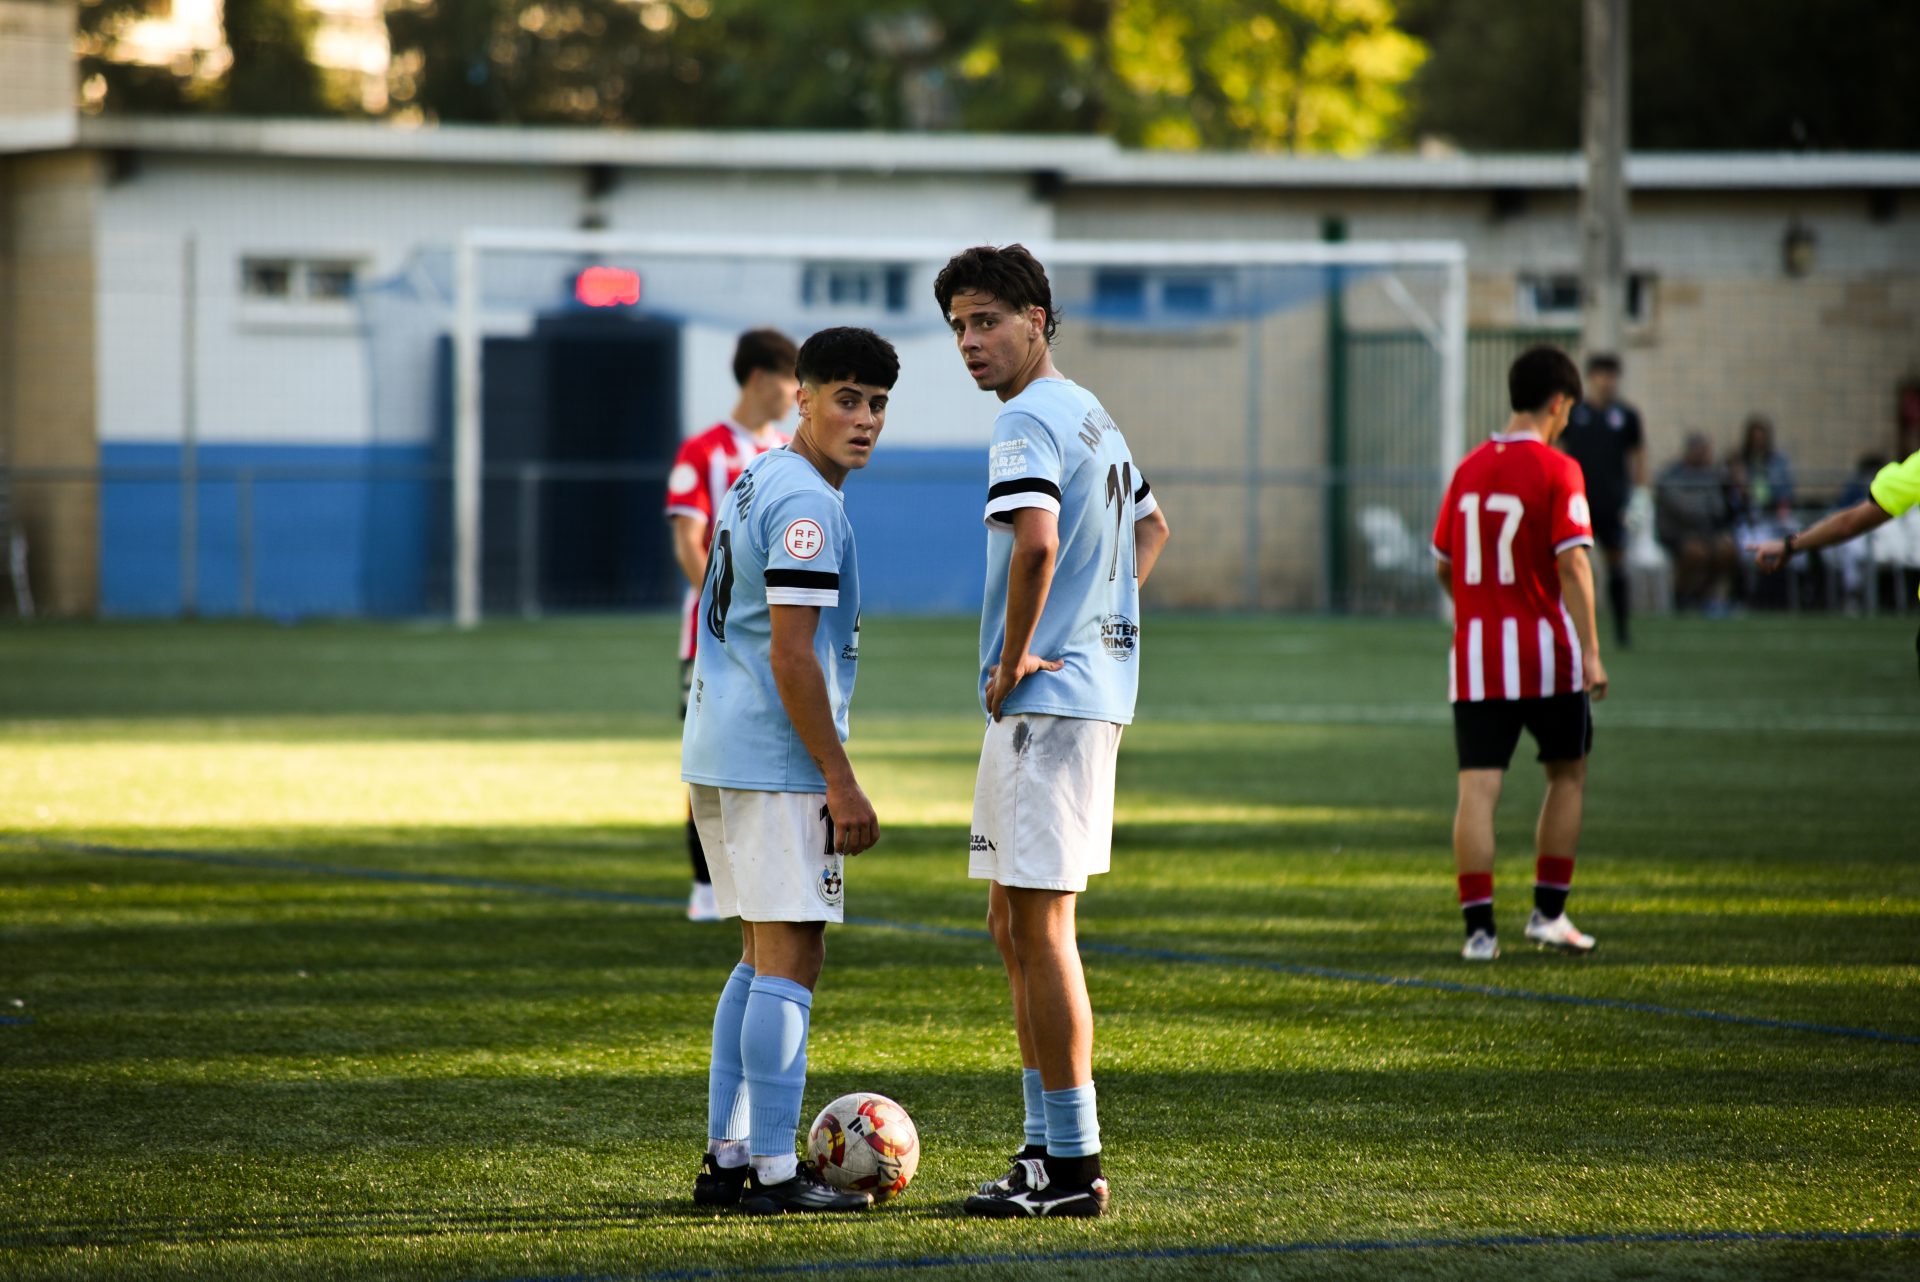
pixel 850 354
pixel 1012 275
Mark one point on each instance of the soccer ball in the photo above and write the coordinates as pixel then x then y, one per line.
pixel 865 1142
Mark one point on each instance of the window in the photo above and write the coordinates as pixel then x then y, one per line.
pixel 269 278
pixel 1555 298
pixel 854 287
pixel 1135 294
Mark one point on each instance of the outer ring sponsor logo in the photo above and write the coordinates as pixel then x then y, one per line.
pixel 1120 635
pixel 804 539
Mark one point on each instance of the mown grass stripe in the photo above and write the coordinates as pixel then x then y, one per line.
pixel 1129 951
pixel 1357 1246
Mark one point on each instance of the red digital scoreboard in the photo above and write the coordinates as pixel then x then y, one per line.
pixel 607 287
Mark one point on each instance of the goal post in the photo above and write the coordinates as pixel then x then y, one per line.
pixel 1234 329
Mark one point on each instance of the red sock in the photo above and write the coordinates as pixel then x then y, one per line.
pixel 1476 900
pixel 1552 876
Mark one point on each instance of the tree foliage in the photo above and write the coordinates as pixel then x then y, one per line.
pixel 1753 75
pixel 1318 75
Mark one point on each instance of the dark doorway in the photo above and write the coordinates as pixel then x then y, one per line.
pixel 580 420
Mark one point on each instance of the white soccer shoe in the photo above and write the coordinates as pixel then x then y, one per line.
pixel 1481 946
pixel 1559 934
pixel 701 905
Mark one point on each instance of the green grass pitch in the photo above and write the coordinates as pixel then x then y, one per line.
pixel 350 952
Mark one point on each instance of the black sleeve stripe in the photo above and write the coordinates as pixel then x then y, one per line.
pixel 1025 485
pixel 1143 491
pixel 803 579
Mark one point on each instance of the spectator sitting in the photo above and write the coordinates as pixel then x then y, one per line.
pixel 1693 519
pixel 1764 481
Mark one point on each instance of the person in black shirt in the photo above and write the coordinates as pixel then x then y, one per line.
pixel 1603 435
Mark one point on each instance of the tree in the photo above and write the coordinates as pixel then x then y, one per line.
pixel 272 73
pixel 1753 75
pixel 1300 74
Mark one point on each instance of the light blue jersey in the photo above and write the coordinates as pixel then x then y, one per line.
pixel 1054 447
pixel 782 539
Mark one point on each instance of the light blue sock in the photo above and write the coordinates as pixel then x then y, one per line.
pixel 1036 1108
pixel 726 1085
pixel 1073 1125
pixel 773 1053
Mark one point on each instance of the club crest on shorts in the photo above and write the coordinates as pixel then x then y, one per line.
pixel 831 885
pixel 1120 635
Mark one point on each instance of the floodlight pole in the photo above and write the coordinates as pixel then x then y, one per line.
pixel 1603 203
pixel 466 434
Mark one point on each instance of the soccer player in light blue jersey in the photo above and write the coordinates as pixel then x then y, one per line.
pixel 775 799
pixel 1073 530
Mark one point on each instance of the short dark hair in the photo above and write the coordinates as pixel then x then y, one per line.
pixel 1011 274
pixel 766 349
pixel 1603 363
pixel 847 353
pixel 1539 374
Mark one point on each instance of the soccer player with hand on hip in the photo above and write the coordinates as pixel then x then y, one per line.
pixel 776 801
pixel 1073 531
pixel 1512 543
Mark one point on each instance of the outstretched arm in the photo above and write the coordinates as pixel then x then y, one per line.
pixel 1837 527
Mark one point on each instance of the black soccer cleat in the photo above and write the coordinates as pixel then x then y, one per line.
pixel 804 1192
pixel 1004 1183
pixel 718 1185
pixel 1028 1193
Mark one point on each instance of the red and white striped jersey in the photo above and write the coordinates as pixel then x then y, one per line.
pixel 703 472
pixel 1513 507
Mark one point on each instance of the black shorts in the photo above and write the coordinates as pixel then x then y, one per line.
pixel 686 685
pixel 1609 530
pixel 1486 733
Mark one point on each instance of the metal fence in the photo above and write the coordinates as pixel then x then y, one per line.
pixel 288 542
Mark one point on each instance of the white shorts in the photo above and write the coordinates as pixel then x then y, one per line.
pixel 771 854
pixel 1043 802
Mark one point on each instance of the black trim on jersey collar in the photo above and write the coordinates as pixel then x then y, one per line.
pixel 1025 485
pixel 803 579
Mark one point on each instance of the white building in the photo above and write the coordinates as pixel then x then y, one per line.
pixel 212 283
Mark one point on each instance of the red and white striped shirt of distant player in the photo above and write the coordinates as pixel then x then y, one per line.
pixel 1514 505
pixel 703 472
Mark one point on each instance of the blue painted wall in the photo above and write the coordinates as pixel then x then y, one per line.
pixel 343 531
pixel 338 530
pixel 917 517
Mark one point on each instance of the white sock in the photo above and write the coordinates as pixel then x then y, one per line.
pixel 777 1169
pixel 730 1154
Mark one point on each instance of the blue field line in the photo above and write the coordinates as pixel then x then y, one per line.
pixel 1128 951
pixel 12 1020
pixel 1250 1250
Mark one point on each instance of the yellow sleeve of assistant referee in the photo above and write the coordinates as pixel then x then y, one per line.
pixel 1896 487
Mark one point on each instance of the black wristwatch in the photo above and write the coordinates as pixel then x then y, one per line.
pixel 1790 542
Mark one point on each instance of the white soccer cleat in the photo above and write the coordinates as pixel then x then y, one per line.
pixel 701 905
pixel 1481 946
pixel 1559 934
